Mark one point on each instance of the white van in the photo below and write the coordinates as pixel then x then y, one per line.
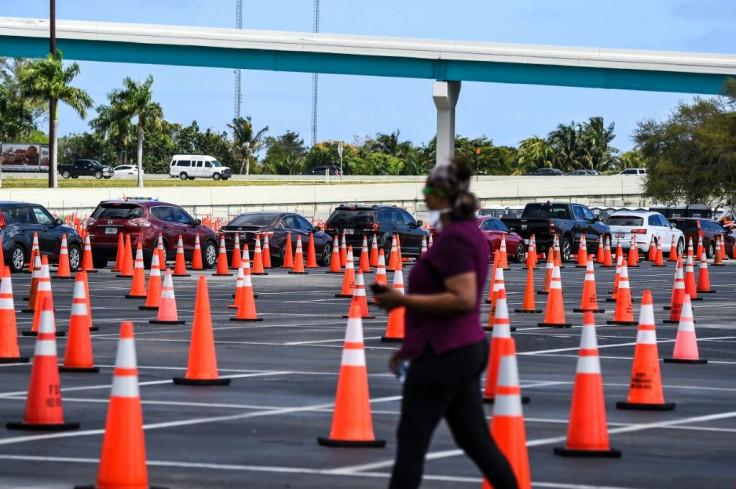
pixel 193 166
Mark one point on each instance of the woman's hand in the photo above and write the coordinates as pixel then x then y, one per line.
pixel 387 298
pixel 395 362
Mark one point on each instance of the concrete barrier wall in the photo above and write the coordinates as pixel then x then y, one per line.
pixel 318 199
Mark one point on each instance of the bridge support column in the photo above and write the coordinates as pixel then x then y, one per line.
pixel 445 94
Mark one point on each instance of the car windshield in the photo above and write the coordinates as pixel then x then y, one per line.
pixel 253 220
pixel 351 217
pixel 118 211
pixel 625 220
pixel 687 226
pixel 216 163
pixel 546 211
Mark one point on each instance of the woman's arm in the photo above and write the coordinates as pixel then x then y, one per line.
pixel 460 297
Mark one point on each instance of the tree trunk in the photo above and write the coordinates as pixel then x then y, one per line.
pixel 53 126
pixel 247 165
pixel 139 154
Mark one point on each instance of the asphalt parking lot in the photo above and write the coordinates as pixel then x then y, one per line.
pixel 261 430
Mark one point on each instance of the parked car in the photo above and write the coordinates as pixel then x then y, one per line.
pixel 584 172
pixel 567 220
pixel 545 171
pixel 644 224
pixel 692 227
pixel 143 220
pixel 126 171
pixel 634 171
pixel 320 170
pixel 92 168
pixel 384 221
pixel 18 222
pixel 278 224
pixel 197 166
pixel 494 229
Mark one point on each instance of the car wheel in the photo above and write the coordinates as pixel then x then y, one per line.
pixel 680 247
pixel 66 174
pixel 216 176
pixel 209 254
pixel 183 175
pixel 98 175
pixel 710 252
pixel 520 251
pixel 326 255
pixel 17 258
pixel 565 249
pixel 75 258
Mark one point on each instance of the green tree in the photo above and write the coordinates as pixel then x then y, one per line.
pixel 114 125
pixel 285 154
pixel 246 143
pixel 19 114
pixel 86 145
pixel 595 138
pixel 533 153
pixel 48 80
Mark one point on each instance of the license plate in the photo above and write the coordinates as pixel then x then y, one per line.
pixel 111 230
pixel 348 231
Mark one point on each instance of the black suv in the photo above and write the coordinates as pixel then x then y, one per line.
pixel 320 170
pixel 545 171
pixel 385 221
pixel 20 220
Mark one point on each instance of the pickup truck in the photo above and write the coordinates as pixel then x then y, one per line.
pixel 567 220
pixel 90 168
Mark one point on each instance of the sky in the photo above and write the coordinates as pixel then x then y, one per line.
pixel 360 106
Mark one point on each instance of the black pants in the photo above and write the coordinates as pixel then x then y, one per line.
pixel 447 385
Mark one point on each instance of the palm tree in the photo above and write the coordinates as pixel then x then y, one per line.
pixel 533 153
pixel 596 139
pixel 245 143
pixel 565 141
pixel 136 100
pixel 116 128
pixel 47 79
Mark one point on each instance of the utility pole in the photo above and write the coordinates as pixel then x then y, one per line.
pixel 52 103
pixel 238 72
pixel 315 79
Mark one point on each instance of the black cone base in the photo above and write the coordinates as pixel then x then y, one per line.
pixel 645 407
pixel 532 311
pixel 128 296
pixel 225 274
pixel 90 271
pixel 42 427
pixel 623 323
pixel 581 266
pixel 596 311
pixel 264 273
pixel 89 370
pixel 610 299
pixel 35 333
pixel 490 400
pixel 333 272
pixel 95 487
pixel 391 339
pixel 717 265
pixel 667 308
pixel 490 328
pixel 246 320
pixel 327 442
pixel 148 308
pixel 120 275
pixel 554 325
pixel 706 292
pixel 671 321
pixel 683 360
pixel 543 292
pixel 63 278
pixel 344 296
pixel 298 273
pixel 185 381
pixel 696 298
pixel 14 360
pixel 94 328
pixel 156 321
pixel 566 452
pixel 362 317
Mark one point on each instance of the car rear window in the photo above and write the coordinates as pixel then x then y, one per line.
pixel 253 219
pixel 553 211
pixel 625 220
pixel 351 217
pixel 687 226
pixel 118 211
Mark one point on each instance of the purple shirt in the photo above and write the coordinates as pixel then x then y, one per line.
pixel 460 248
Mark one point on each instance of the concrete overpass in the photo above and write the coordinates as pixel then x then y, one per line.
pixel 447 62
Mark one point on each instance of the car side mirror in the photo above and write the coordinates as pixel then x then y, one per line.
pixel 316 229
pixel 197 222
pixel 420 224
pixel 58 221
pixel 672 225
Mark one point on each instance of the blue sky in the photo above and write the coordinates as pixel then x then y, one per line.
pixel 352 106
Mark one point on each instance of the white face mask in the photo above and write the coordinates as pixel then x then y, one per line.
pixel 434 216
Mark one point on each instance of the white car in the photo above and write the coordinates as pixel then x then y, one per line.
pixel 644 225
pixel 126 171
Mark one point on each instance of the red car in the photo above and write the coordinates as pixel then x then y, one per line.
pixel 692 227
pixel 143 220
pixel 494 229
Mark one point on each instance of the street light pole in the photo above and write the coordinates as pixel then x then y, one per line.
pixel 52 102
pixel 339 152
pixel 477 164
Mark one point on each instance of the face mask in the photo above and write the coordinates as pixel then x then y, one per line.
pixel 435 217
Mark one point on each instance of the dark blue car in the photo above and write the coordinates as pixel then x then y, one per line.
pixel 20 220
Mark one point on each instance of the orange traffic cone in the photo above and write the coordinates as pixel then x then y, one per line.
pixel 690 286
pixel 507 423
pixel 44 290
pixel 138 284
pixel 623 314
pixel 335 260
pixel 180 264
pixel 311 253
pixel 673 250
pixel 153 299
pixel 699 249
pixel 247 304
pixel 266 251
pixel 380 277
pixel 616 280
pixel 123 455
pixel 35 250
pixel 35 272
pixel 548 273
pixel 348 280
pixel 87 301
pixel 202 366
pixel 359 297
pixel 554 315
pixel 161 251
pixel 556 252
pixel 498 286
pixel 532 251
pixel 587 432
pixel 374 250
pixel 503 259
pixel 645 390
pixel 607 259
pixel 600 255
pixel 582 253
pixel 686 343
pixel 222 266
pixel 343 250
pixel 288 253
pixel 364 263
pixel 63 271
pixel 298 258
pixel 197 255
pixel 78 356
pixel 395 325
pixel 9 352
pixel 352 425
pixel 619 249
pixel 235 260
pixel 393 258
pixel 633 253
pixel 119 254
pixel 529 305
pixel 87 262
pixel 589 299
pixel 704 277
pixel 127 268
pixel 718 255
pixel 258 259
pixel 44 409
pixel 652 255
pixel 496 258
pixel 167 313
pixel 658 256
pixel 677 299
pixel 238 287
